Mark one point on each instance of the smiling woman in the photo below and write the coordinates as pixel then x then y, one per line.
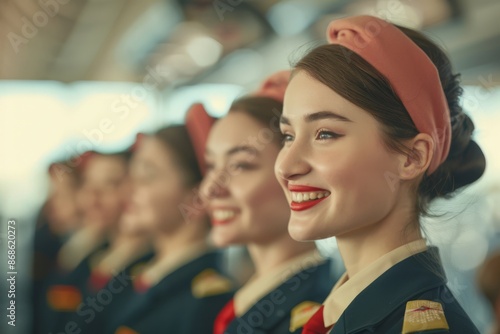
pixel 184 280
pixel 247 207
pixel 373 125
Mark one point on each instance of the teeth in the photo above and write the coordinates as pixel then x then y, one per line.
pixel 300 197
pixel 223 214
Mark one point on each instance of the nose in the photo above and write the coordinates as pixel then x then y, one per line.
pixel 215 184
pixel 291 162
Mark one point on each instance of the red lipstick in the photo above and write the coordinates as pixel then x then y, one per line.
pixel 295 206
pixel 305 205
pixel 300 188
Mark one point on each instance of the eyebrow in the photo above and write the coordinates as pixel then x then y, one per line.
pixel 318 116
pixel 242 148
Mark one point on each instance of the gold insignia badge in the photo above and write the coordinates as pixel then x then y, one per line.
pixel 302 313
pixel 423 315
pixel 210 283
pixel 64 298
pixel 125 330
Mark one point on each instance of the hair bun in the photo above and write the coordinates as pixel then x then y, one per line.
pixel 471 165
pixel 460 169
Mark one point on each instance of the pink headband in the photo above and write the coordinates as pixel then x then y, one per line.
pixel 274 86
pixel 139 137
pixel 198 125
pixel 199 122
pixel 411 73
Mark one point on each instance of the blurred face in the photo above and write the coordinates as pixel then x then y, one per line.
pixel 245 201
pixel 158 188
pixel 334 168
pixel 62 210
pixel 103 191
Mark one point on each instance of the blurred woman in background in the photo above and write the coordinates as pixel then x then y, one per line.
pixel 100 198
pixel 58 218
pixel 183 287
pixel 247 207
pixel 111 271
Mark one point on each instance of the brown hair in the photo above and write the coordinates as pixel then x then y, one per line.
pixel 177 139
pixel 356 80
pixel 265 110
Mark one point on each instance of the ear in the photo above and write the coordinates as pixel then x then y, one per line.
pixel 420 153
pixel 194 204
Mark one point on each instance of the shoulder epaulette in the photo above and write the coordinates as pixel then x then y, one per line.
pixel 301 314
pixel 125 330
pixel 423 315
pixel 64 297
pixel 210 283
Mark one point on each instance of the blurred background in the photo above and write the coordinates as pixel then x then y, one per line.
pixel 77 75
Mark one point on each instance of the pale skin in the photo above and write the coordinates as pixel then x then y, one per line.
pixel 103 193
pixel 335 145
pixel 256 210
pixel 158 191
pixel 100 199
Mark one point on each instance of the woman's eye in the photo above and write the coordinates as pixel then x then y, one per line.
pixel 209 166
pixel 241 166
pixel 287 138
pixel 324 135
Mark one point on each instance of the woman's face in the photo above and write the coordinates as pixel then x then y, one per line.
pixel 157 189
pixel 336 172
pixel 103 192
pixel 245 201
pixel 62 212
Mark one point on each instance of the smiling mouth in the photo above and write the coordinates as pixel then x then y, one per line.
pixel 222 216
pixel 303 200
pixel 300 197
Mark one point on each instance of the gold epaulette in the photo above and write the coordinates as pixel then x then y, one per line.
pixel 125 330
pixel 64 298
pixel 302 313
pixel 423 315
pixel 210 283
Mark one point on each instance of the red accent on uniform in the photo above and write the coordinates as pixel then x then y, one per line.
pixel 316 325
pixel 140 286
pixel 98 280
pixel 224 318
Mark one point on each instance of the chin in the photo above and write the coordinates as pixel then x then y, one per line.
pixel 299 232
pixel 221 240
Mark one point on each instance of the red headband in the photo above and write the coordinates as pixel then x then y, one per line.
pixel 139 137
pixel 411 73
pixel 83 160
pixel 198 125
pixel 199 122
pixel 274 86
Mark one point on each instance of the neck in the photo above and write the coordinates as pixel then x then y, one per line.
pixel 185 236
pixel 268 255
pixel 131 244
pixel 360 248
pixel 124 250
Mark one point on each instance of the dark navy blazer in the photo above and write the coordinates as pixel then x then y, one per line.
pixel 380 308
pixel 170 306
pixel 272 313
